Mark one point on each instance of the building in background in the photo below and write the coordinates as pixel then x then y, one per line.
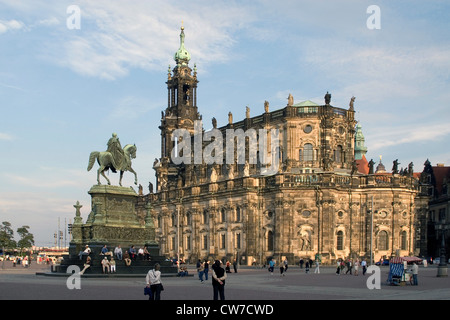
pixel 437 180
pixel 324 198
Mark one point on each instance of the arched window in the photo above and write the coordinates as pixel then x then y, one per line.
pixel 308 152
pixel 173 220
pixel 222 241
pixel 205 217
pixel 383 240
pixel 172 243
pixel 205 242
pixel 188 219
pixel 223 215
pixel 339 154
pixel 188 242
pixel 237 242
pixel 404 241
pixel 270 241
pixel 340 240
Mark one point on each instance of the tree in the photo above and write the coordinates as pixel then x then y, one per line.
pixel 6 238
pixel 26 238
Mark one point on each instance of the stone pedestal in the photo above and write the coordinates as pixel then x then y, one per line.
pixel 112 221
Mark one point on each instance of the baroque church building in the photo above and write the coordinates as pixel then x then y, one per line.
pixel 324 199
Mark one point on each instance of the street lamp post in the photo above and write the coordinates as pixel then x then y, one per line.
pixel 178 238
pixel 442 267
pixel 371 233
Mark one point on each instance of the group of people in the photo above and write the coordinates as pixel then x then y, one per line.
pixel 202 269
pixel 131 254
pixel 142 253
pixel 308 264
pixel 283 266
pixel 21 260
pixel 219 275
pixel 351 266
pixel 109 265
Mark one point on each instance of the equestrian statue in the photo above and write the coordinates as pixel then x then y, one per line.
pixel 114 158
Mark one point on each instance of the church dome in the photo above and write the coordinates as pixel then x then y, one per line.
pixel 380 168
pixel 182 56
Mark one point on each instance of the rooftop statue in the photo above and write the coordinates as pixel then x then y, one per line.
pixel 327 98
pixel 395 164
pixel 352 102
pixel 114 158
pixel 290 100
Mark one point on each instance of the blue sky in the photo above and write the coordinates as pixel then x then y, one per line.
pixel 64 91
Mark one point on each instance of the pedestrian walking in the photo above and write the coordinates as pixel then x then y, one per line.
pixel 415 272
pixel 338 263
pixel 349 266
pixel 200 270
pixel 271 266
pixel 153 280
pixel 356 267
pixel 281 269
pixel 317 269
pixel 301 263
pixel 227 268
pixel 285 264
pixel 307 266
pixel 364 266
pixel 206 269
pixel 235 266
pixel 342 266
pixel 218 280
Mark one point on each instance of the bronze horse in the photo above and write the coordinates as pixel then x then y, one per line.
pixel 106 161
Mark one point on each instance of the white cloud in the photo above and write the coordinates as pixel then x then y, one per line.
pixel 387 137
pixel 48 22
pixel 6 136
pixel 115 38
pixel 6 26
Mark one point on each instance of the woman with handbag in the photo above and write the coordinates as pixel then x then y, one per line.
pixel 153 280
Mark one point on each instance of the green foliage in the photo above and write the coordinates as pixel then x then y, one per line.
pixel 7 241
pixel 26 238
pixel 7 236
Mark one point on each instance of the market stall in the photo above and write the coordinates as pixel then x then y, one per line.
pixel 397 270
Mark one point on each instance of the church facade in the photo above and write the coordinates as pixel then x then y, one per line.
pixel 322 200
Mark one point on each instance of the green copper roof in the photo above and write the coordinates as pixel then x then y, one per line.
pixel 307 103
pixel 360 148
pixel 182 56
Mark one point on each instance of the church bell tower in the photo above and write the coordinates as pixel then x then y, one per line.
pixel 181 112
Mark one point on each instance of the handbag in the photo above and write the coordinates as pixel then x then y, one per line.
pixel 148 291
